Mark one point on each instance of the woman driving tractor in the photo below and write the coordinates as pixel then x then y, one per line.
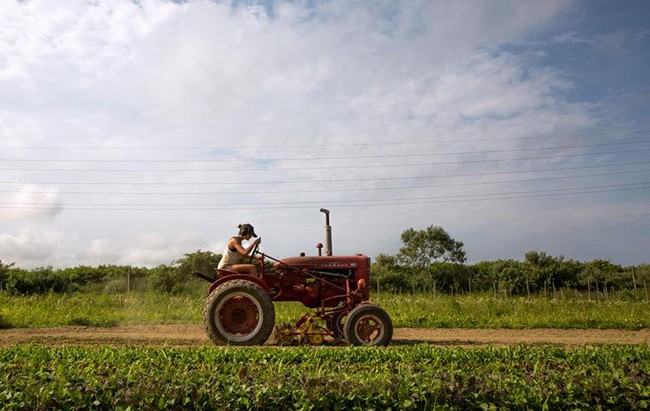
pixel 235 252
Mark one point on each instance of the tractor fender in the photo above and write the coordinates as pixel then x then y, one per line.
pixel 245 277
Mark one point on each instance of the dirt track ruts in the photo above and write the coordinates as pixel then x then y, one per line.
pixel 184 335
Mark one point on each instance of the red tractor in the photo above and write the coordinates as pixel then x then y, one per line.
pixel 240 311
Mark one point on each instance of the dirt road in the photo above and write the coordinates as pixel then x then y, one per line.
pixel 183 335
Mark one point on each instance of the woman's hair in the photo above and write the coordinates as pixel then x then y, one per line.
pixel 246 229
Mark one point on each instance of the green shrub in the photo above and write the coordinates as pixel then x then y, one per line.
pixel 115 286
pixel 4 323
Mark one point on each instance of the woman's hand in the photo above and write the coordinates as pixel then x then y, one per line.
pixel 253 247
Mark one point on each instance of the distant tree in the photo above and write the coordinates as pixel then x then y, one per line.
pixel 177 277
pixel 388 275
pixel 601 273
pixel 511 277
pixel 202 261
pixel 422 248
pixel 387 261
pixel 4 274
pixel 542 268
pixel 452 278
pixel 643 278
pixel 569 273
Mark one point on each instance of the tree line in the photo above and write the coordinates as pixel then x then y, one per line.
pixel 429 260
pixel 539 273
pixel 175 277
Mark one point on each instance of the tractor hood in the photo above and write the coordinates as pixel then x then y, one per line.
pixel 327 263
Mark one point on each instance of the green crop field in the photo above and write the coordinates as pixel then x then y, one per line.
pixel 420 311
pixel 416 377
pixel 325 378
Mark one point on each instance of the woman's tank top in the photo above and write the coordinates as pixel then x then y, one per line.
pixel 229 258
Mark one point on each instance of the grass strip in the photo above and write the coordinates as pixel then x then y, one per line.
pixel 418 311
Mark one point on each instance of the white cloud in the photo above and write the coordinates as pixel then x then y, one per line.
pixel 204 73
pixel 613 43
pixel 218 74
pixel 30 248
pixel 157 248
pixel 101 251
pixel 573 37
pixel 31 202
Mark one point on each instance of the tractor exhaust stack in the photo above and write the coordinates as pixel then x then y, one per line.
pixel 328 232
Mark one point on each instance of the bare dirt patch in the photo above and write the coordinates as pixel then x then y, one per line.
pixel 188 335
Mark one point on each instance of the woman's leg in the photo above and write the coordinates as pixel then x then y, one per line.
pixel 249 269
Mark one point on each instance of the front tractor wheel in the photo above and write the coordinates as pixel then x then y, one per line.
pixel 368 325
pixel 239 312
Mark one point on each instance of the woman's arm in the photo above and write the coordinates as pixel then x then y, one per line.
pixel 242 250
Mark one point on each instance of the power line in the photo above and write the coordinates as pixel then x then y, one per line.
pixel 330 180
pixel 332 167
pixel 356 189
pixel 162 205
pixel 401 141
pixel 315 203
pixel 362 157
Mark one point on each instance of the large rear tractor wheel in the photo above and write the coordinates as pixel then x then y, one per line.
pixel 239 312
pixel 368 325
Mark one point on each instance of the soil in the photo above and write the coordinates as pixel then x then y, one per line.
pixel 184 335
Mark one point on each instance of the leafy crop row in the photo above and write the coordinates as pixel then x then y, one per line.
pixel 415 377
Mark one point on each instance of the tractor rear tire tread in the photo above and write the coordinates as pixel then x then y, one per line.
pixel 255 292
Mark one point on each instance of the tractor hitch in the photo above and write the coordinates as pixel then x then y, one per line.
pixel 204 277
pixel 307 330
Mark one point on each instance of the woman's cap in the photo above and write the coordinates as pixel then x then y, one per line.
pixel 247 229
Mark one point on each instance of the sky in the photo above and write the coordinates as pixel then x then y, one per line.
pixel 134 132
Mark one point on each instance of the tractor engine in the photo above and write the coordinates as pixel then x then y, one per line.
pixel 333 278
